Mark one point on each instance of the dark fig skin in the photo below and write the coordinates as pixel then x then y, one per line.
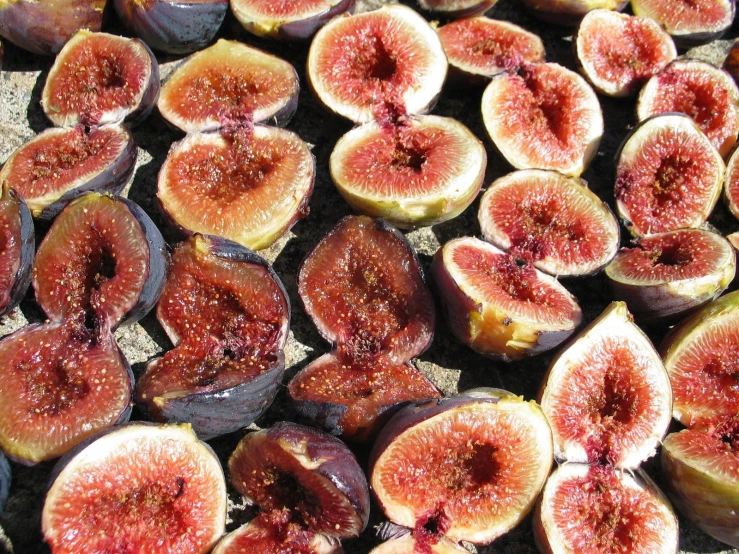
pixel 301 29
pixel 26 238
pixel 477 9
pixel 5 478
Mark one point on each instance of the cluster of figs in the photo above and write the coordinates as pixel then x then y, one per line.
pixel 443 470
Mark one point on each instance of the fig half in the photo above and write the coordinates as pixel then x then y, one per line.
pixel 731 184
pixel 569 12
pixel 457 8
pixel 690 22
pixel 17 246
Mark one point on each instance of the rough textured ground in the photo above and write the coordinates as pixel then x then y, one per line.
pixel 451 366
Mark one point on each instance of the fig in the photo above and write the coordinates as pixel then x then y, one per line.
pixel 229 82
pixel 665 275
pixel 690 22
pixel 284 19
pixel 174 27
pixel 552 220
pixel 482 47
pixel 17 247
pixel 99 78
pixel 468 467
pixel 421 171
pixel 457 8
pixel 137 488
pixel 4 480
pixel 228 315
pixel 500 305
pixel 601 509
pixel 376 64
pixel 60 164
pixel 543 116
pixel 618 53
pixel 408 545
pixel 607 394
pixel 247 184
pixel 731 184
pixel 668 176
pixel 569 12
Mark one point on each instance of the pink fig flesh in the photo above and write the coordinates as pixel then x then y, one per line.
pixel 689 21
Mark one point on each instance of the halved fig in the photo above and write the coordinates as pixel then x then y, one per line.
pixel 457 8
pixel 229 82
pixel 17 245
pixel 569 12
pixel 228 315
pixel 286 19
pixel 421 171
pixel 665 275
pixel 543 116
pixel 483 47
pixel 375 64
pixel 731 184
pixel 173 26
pixel 60 164
pixel 248 184
pixel 500 305
pixel 100 78
pixel 137 488
pixel 464 468
pixel 555 221
pixel 607 395
pixel 668 176
pixel 408 545
pixel 4 480
pixel 601 509
pixel 689 22
pixel 618 53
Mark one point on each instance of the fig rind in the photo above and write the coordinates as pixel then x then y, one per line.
pixel 569 12
pixel 16 220
pixel 668 16
pixel 296 26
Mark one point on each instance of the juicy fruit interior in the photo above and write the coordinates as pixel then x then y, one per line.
pixel 683 16
pixel 10 246
pixel 287 9
pixel 713 452
pixel 272 532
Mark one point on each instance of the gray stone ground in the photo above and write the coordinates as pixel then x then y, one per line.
pixel 451 366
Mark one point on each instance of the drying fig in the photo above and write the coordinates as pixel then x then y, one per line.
pixel 457 8
pixel 665 275
pixel 376 64
pixel 137 488
pixel 731 184
pixel 600 509
pixel 468 467
pixel 4 480
pixel 668 176
pixel 617 52
pixel 16 249
pixel 607 395
pixel 247 184
pixel 500 305
pixel 173 26
pixel 60 164
pixel 421 171
pixel 98 79
pixel 554 221
pixel 690 22
pixel 226 83
pixel 543 116
pixel 569 12
pixel 406 544
pixel 228 315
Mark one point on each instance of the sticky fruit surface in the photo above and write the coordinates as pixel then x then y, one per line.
pixel 287 19
pixel 689 20
pixel 16 250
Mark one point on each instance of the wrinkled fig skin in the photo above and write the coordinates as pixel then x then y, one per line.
pixel 569 12
pixel 292 29
pixel 27 250
pixel 4 480
pixel 473 9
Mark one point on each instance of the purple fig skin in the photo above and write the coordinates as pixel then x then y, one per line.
pixel 301 29
pixel 5 479
pixel 28 248
pixel 473 11
pixel 149 100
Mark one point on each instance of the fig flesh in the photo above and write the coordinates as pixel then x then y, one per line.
pixel 273 534
pixel 500 305
pixel 731 184
pixel 408 545
pixel 137 488
pixel 690 22
pixel 17 246
pixel 569 12
pixel 618 53
pixel 543 116
pixel 668 176
pixel 421 171
pixel 99 78
pixel 229 82
pixel 553 220
pixel 457 8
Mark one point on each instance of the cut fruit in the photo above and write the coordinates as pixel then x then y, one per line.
pixel 137 488
pixel 229 82
pixel 288 19
pixel 499 305
pixel 618 53
pixel 457 8
pixel 569 12
pixel 377 64
pixel 668 176
pixel 17 246
pixel 731 184
pixel 543 116
pixel 690 22
pixel 607 395
pixel 421 171
pixel 249 185
pixel 552 220
pixel 408 545
pixel 664 276
pixel 273 534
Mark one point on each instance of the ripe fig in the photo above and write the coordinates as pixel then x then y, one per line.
pixel 731 184
pixel 668 176
pixel 552 220
pixel 228 315
pixel 60 164
pixel 229 82
pixel 98 79
pixel 690 22
pixel 543 116
pixel 137 488
pixel 247 184
pixel 707 94
pixel 607 395
pixel 17 247
pixel 406 544
pixel 421 171
pixel 372 64
pixel 569 12
pixel 457 8
pixel 4 480
pixel 500 305
pixel 663 276
pixel 468 467
pixel 618 53
pixel 175 27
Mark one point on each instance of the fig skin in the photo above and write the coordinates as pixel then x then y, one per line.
pixel 5 480
pixel 684 34
pixel 457 9
pixel 731 183
pixel 569 12
pixel 15 219
pixel 294 26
